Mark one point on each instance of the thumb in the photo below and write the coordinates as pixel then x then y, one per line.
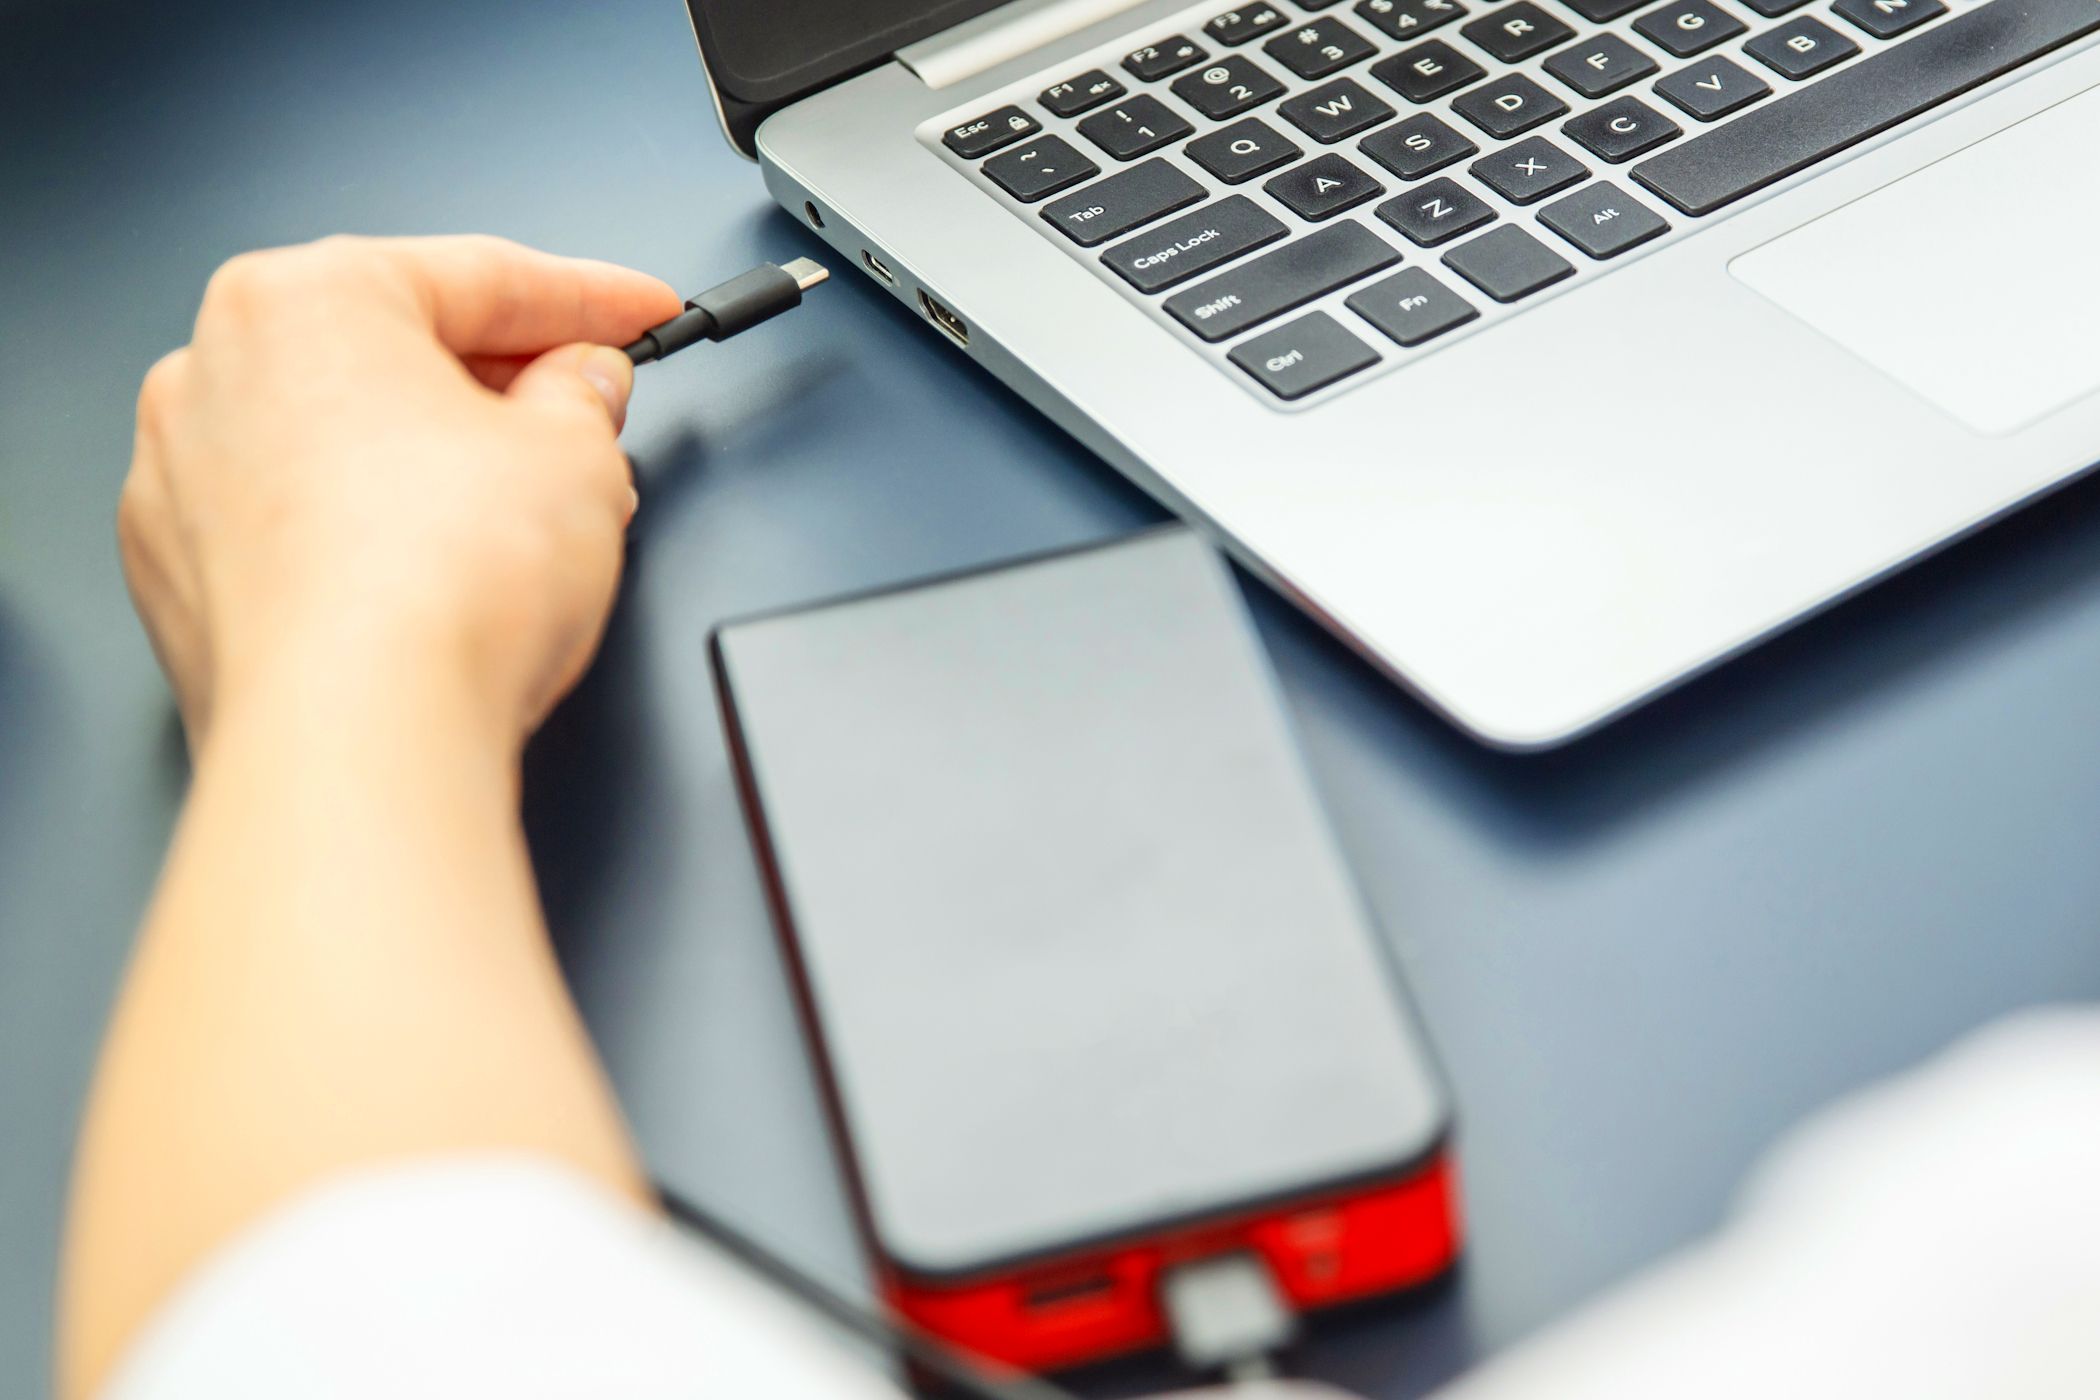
pixel 595 374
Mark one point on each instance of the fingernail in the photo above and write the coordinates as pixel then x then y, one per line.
pixel 609 372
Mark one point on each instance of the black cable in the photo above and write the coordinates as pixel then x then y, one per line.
pixel 730 309
pixel 972 1376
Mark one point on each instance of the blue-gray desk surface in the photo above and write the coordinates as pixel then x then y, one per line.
pixel 1641 958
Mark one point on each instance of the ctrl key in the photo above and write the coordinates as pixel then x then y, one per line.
pixel 1310 353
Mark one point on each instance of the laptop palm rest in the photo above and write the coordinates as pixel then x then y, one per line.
pixel 1975 282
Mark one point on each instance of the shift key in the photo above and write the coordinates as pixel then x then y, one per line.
pixel 1193 244
pixel 1280 281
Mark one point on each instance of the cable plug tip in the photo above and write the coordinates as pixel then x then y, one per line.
pixel 806 272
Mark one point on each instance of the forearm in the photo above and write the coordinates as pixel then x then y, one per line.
pixel 345 963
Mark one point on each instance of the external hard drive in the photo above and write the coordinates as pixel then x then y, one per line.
pixel 1091 988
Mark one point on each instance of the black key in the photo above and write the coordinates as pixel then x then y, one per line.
pixel 1081 94
pixel 1242 151
pixel 1417 146
pixel 1193 244
pixel 1411 307
pixel 1603 11
pixel 1427 71
pixel 1686 27
pixel 1156 61
pixel 1800 48
pixel 1528 171
pixel 1318 4
pixel 989 132
pixel 1238 26
pixel 1508 263
pixel 1040 169
pixel 1280 281
pixel 1515 32
pixel 1341 108
pixel 1508 106
pixel 1622 129
pixel 1773 9
pixel 1321 47
pixel 1857 102
pixel 1603 220
pixel 1134 126
pixel 1322 188
pixel 1225 88
pixel 1404 19
pixel 1713 89
pixel 1436 212
pixel 1310 353
pixel 1885 19
pixel 1120 203
pixel 1599 65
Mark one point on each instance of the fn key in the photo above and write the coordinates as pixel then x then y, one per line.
pixel 1310 353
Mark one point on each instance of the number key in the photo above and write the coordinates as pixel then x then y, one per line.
pixel 1134 126
pixel 1227 87
pixel 1321 47
pixel 1404 19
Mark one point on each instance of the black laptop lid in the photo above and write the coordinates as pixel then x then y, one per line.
pixel 763 54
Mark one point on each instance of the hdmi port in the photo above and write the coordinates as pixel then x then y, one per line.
pixel 944 318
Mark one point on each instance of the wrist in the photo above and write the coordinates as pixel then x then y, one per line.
pixel 362 678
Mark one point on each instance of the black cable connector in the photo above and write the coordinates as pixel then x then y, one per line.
pixel 730 309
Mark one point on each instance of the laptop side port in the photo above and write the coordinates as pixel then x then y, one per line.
pixel 944 318
pixel 877 266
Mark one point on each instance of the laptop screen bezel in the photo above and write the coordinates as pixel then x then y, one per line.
pixel 747 94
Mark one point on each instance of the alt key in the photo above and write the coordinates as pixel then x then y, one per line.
pixel 1310 353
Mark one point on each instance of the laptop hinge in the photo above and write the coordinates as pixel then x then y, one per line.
pixel 991 39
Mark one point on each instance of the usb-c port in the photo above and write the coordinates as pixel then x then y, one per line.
pixel 944 318
pixel 877 266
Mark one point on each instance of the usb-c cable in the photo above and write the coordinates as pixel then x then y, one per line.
pixel 730 309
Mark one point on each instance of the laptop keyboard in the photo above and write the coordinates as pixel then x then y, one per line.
pixel 1398 173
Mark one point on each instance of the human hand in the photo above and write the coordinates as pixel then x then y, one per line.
pixel 390 454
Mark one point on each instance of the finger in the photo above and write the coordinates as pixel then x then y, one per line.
pixel 490 297
pixel 496 371
pixel 578 374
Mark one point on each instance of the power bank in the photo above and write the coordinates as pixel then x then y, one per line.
pixel 1088 982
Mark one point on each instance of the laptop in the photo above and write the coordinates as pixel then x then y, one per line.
pixel 1547 351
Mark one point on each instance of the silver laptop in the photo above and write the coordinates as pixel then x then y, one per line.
pixel 1548 351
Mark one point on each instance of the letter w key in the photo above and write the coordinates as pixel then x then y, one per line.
pixel 1336 110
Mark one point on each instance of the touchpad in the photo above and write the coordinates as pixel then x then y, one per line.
pixel 1975 281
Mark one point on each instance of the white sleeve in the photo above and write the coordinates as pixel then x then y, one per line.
pixel 1936 1238
pixel 489 1277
